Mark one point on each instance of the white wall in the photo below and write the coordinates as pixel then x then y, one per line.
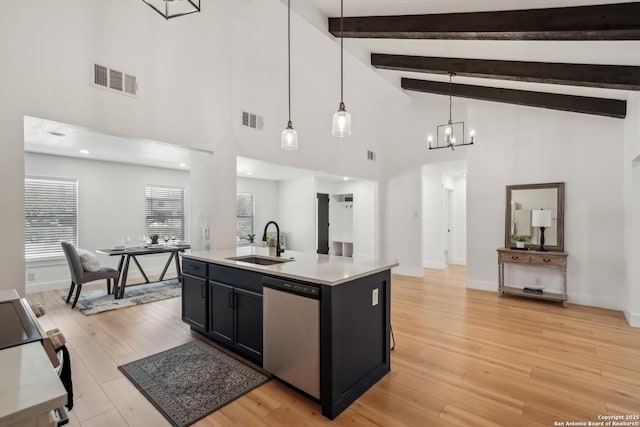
pixel 631 244
pixel 266 200
pixel 260 86
pixel 459 185
pixel 402 222
pixel 111 205
pixel 528 145
pixel 184 94
pixel 203 204
pixel 297 213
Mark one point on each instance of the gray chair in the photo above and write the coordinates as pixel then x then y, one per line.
pixel 80 276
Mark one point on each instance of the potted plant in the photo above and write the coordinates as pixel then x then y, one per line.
pixel 520 241
pixel 154 239
pixel 271 244
pixel 251 237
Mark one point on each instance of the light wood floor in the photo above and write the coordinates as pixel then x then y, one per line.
pixel 462 357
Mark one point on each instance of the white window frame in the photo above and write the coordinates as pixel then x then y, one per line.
pixel 51 250
pixel 252 216
pixel 157 187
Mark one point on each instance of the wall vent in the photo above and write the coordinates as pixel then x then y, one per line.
pixel 371 155
pixel 115 80
pixel 252 121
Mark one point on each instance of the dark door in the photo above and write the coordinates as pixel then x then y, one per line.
pixel 249 323
pixel 323 223
pixel 221 312
pixel 194 301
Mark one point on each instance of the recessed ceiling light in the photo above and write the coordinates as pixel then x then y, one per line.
pixel 464 174
pixel 84 151
pixel 183 165
pixel 57 134
pixel 249 173
pixel 346 178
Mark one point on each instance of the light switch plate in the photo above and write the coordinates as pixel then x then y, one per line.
pixel 374 297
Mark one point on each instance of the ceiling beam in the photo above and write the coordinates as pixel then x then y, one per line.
pixel 597 22
pixel 554 101
pixel 624 77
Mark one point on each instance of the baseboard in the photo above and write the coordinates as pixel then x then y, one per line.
pixel 55 285
pixel 594 301
pixel 632 318
pixel 436 265
pixel 482 285
pixel 460 261
pixel 47 286
pixel 403 271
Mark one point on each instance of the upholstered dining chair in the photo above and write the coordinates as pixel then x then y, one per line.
pixel 80 276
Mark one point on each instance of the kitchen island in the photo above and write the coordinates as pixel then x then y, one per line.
pixel 319 323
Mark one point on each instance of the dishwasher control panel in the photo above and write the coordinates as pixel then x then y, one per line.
pixel 303 289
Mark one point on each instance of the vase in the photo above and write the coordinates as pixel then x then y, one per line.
pixel 272 251
pixel 520 245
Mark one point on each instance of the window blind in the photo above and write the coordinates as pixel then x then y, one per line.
pixel 245 212
pixel 51 216
pixel 165 212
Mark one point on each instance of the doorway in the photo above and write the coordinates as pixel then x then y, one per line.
pixel 447 225
pixel 323 223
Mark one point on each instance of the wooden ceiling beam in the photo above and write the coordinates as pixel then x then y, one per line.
pixel 596 22
pixel 577 104
pixel 624 77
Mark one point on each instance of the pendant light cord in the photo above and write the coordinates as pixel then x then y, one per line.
pixel 289 52
pixel 341 51
pixel 450 91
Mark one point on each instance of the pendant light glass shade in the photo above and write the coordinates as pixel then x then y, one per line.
pixel 341 122
pixel 289 138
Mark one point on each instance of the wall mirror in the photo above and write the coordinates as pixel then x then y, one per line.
pixel 521 227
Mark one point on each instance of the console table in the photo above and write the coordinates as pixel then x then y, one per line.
pixel 546 259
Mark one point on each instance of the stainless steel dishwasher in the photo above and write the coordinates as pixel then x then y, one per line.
pixel 291 325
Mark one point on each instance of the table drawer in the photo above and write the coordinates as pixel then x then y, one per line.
pixel 552 260
pixel 195 268
pixel 523 258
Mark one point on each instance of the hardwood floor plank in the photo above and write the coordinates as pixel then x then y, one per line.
pixel 462 357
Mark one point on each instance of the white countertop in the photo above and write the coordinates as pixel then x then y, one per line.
pixel 29 385
pixel 315 268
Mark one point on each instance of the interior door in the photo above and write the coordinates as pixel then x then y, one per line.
pixel 323 223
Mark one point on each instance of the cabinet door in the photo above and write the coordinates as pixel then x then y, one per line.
pixel 221 312
pixel 194 301
pixel 249 323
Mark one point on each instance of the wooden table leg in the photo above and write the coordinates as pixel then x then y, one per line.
pixel 178 270
pixel 146 279
pixel 166 266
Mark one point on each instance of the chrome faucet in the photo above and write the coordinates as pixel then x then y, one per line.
pixel 264 236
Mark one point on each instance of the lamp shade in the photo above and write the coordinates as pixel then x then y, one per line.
pixel 341 123
pixel 289 139
pixel 541 218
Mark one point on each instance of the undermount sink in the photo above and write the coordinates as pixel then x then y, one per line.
pixel 260 260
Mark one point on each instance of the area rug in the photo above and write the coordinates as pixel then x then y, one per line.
pixel 97 301
pixel 189 382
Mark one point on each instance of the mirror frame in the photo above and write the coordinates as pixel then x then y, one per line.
pixel 560 203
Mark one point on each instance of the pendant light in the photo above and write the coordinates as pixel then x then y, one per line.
pixel 173 9
pixel 289 135
pixel 341 119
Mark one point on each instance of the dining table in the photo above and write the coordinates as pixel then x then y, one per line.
pixel 127 254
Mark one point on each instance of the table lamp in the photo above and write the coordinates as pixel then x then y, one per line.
pixel 541 218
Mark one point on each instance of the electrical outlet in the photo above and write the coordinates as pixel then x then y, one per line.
pixel 374 297
pixel 31 277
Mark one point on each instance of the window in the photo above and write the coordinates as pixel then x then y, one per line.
pixel 165 212
pixel 245 212
pixel 50 216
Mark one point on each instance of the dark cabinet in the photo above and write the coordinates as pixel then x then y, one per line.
pixel 221 312
pixel 194 301
pixel 235 319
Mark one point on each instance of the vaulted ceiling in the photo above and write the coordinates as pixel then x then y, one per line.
pixel 572 55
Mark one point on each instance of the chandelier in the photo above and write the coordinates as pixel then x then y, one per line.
pixel 450 134
pixel 174 8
